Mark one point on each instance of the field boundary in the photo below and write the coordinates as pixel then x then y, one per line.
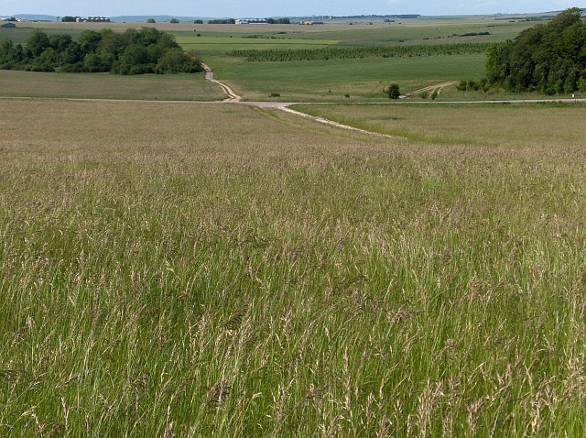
pixel 233 98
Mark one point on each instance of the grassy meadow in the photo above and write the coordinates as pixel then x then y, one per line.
pixel 504 125
pixel 106 86
pixel 343 80
pixel 223 271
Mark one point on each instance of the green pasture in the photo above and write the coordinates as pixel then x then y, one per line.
pixel 361 79
pixel 108 86
pixel 214 45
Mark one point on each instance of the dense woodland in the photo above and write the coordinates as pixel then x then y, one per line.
pixel 548 57
pixel 129 53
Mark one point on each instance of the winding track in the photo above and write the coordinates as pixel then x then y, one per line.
pixel 209 76
pixel 286 107
pixel 233 98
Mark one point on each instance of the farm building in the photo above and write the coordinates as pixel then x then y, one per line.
pixel 8 26
pixel 252 21
pixel 93 19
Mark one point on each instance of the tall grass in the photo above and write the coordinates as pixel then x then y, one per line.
pixel 176 272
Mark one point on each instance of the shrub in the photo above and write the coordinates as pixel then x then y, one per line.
pixel 177 61
pixel 582 85
pixel 393 91
pixel 434 95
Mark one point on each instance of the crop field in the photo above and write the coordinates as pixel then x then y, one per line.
pixel 327 53
pixel 332 80
pixel 221 45
pixel 107 86
pixel 323 66
pixel 424 32
pixel 217 270
pixel 328 73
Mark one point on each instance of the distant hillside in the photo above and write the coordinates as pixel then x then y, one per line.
pixel 34 17
pixel 373 17
pixel 158 18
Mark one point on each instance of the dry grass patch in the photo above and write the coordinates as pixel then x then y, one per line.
pixel 107 86
pixel 508 125
pixel 191 270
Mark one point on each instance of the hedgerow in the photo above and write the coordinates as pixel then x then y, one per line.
pixel 327 53
pixel 128 53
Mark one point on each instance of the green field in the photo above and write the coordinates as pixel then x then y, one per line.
pixel 475 125
pixel 22 34
pixel 213 45
pixel 332 80
pixel 424 31
pixel 107 86
pixel 190 270
pixel 360 78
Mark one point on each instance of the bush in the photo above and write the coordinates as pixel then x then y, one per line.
pixel 434 95
pixel 582 85
pixel 393 91
pixel 177 61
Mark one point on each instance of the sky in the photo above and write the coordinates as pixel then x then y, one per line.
pixel 266 8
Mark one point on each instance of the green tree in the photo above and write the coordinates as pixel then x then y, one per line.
pixel 582 85
pixel 89 41
pixel 151 21
pixel 177 61
pixel 131 52
pixel 38 43
pixel 393 91
pixel 546 57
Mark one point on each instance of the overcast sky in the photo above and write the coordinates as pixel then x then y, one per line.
pixel 262 8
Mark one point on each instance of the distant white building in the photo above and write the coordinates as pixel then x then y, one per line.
pixel 251 21
pixel 93 19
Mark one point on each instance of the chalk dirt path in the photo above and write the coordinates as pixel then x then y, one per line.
pixel 209 76
pixel 233 98
pixel 286 107
pixel 432 89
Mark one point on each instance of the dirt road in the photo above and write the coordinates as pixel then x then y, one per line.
pixel 233 98
pixel 209 76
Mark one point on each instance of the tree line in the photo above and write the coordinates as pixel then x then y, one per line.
pixel 327 53
pixel 550 57
pixel 129 53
